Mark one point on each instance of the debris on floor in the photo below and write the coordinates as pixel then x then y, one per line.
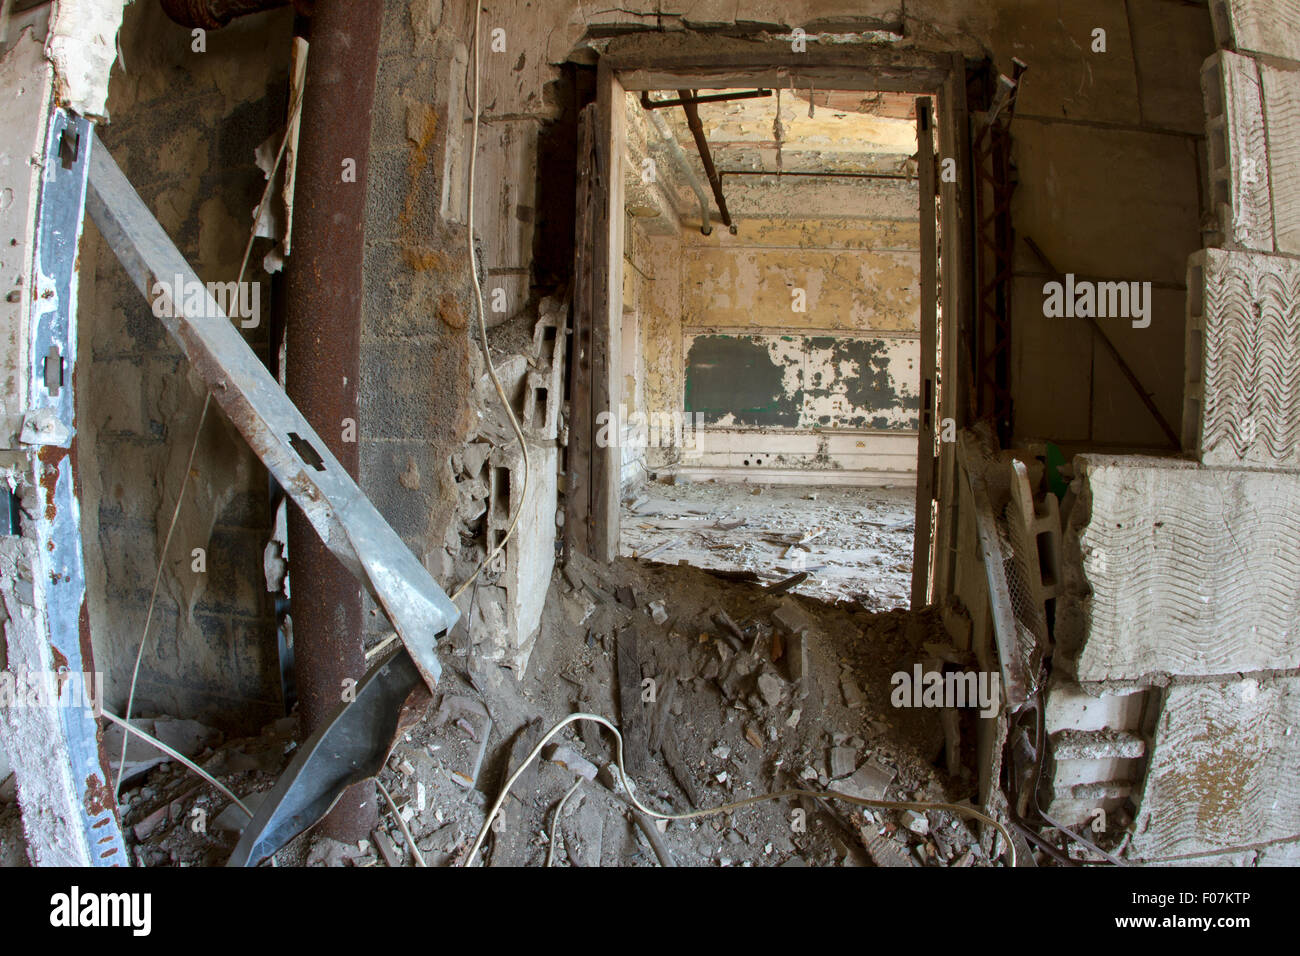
pixel 724 690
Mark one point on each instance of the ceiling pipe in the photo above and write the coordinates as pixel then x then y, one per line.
pixel 322 355
pixel 683 166
pixel 688 99
pixel 215 14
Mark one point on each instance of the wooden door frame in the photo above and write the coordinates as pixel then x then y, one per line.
pixel 627 67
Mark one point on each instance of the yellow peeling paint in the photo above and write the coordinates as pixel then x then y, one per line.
pixel 754 288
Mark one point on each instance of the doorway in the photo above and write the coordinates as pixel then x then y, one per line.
pixel 764 240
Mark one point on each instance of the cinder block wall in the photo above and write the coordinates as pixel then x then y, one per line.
pixel 184 127
pixel 1183 589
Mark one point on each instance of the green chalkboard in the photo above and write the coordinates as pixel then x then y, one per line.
pixel 803 381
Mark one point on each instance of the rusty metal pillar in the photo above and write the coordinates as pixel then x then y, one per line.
pixel 322 352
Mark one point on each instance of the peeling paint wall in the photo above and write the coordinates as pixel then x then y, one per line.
pixel 854 277
pixel 185 127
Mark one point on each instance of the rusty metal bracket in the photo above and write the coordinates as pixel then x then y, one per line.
pixel 347 522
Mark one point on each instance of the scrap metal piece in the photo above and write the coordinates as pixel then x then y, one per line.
pixel 295 454
pixel 351 746
pixel 93 831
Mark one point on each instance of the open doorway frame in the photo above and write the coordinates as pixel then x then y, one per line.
pixel 592 471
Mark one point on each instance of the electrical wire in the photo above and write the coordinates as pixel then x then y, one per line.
pixel 555 826
pixel 175 755
pixel 198 433
pixel 482 324
pixel 726 807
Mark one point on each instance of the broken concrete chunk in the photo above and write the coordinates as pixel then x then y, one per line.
pixel 843 761
pixel 474 457
pixel 568 758
pixel 852 695
pixel 791 618
pixel 658 612
pixel 916 821
pixel 771 688
pixel 233 819
pixel 869 782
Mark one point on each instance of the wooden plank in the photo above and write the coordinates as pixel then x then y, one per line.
pixel 925 461
pixel 582 431
pixel 607 309
pixel 631 716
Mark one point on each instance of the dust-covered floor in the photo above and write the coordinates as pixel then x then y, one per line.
pixel 739 692
pixel 856 543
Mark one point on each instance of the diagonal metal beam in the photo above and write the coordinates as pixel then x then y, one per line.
pixel 295 454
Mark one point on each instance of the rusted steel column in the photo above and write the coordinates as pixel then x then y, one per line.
pixel 322 346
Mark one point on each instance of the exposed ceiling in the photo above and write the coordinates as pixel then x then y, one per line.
pixel 787 132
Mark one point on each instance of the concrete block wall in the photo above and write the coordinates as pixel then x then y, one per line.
pixel 1181 592
pixel 1180 587
pixel 1095 748
pixel 1242 397
pixel 184 128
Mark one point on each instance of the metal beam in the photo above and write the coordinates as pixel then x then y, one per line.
pixel 74 802
pixel 278 433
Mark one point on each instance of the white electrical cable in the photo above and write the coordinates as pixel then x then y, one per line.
pixel 482 325
pixel 175 755
pixel 726 807
pixel 555 826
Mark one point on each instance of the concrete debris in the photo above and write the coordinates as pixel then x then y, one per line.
pixel 233 819
pixel 187 737
pixel 565 756
pixel 771 688
pixel 869 782
pixel 916 822
pixel 843 762
pixel 658 612
pixel 852 695
pixel 392 856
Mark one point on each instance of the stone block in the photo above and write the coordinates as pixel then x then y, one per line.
pixel 1241 402
pixel 1222 771
pixel 1176 569
pixel 1237 151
